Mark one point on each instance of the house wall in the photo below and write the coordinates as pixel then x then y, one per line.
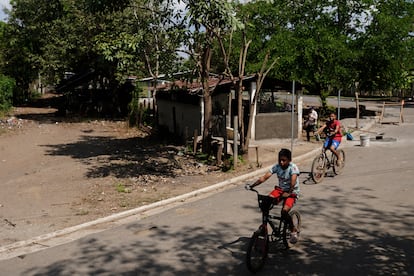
pixel 275 125
pixel 187 117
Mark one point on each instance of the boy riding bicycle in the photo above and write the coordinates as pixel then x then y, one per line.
pixel 332 128
pixel 288 189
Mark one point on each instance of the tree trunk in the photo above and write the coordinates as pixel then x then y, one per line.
pixel 208 106
pixel 249 129
pixel 240 112
pixel 207 122
pixel 260 78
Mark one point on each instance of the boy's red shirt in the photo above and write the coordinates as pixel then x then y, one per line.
pixel 331 125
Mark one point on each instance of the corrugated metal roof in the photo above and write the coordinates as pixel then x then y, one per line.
pixel 195 87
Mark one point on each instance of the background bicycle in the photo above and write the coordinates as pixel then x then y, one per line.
pixel 273 229
pixel 325 161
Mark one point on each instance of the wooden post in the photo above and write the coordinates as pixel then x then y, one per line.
pixel 357 110
pixel 225 134
pixel 235 148
pixel 219 153
pixel 195 141
pixel 186 134
pixel 401 116
pixel 382 112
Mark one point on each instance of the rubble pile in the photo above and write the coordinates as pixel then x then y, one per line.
pixel 11 123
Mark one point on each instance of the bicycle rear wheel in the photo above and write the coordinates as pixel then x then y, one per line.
pixel 337 168
pixel 318 169
pixel 297 222
pixel 257 250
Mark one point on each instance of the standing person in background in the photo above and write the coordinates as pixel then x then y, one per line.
pixel 310 123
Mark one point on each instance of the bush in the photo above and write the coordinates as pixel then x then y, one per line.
pixel 7 86
pixel 138 114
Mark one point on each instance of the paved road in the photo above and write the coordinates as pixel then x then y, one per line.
pixel 358 223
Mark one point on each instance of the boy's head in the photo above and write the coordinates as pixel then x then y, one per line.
pixel 332 117
pixel 285 156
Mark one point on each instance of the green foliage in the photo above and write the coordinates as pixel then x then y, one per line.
pixel 120 188
pixel 7 86
pixel 3 46
pixel 325 45
pixel 279 105
pixel 138 114
pixel 206 23
pixel 114 38
pixel 203 157
pixel 133 107
pixel 324 101
pixel 329 45
pixel 387 47
pixel 229 163
pixel 330 109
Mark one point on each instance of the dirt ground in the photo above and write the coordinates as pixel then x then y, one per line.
pixel 57 172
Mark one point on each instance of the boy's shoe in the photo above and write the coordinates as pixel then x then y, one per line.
pixel 293 237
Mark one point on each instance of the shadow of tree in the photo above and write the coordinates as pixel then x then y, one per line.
pixel 364 242
pixel 122 158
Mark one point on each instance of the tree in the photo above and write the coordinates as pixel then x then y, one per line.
pixel 3 45
pixel 386 46
pixel 207 21
pixel 242 46
pixel 7 85
pixel 261 76
pixel 49 38
pixel 148 38
pixel 329 45
pixel 310 38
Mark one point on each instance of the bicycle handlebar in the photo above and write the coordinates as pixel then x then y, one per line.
pixel 257 192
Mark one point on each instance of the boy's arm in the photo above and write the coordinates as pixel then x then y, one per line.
pixel 262 179
pixel 293 179
pixel 293 182
pixel 338 127
pixel 321 129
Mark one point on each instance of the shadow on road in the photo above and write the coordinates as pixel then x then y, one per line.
pixel 358 248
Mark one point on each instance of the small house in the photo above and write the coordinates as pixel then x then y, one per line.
pixel 180 108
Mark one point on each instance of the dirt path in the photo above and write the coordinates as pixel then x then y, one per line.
pixel 55 174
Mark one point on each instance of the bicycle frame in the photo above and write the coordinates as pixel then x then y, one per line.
pixel 266 203
pixel 328 162
pixel 257 249
pixel 323 162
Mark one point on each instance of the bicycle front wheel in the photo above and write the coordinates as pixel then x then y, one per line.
pixel 257 250
pixel 318 169
pixel 297 223
pixel 337 167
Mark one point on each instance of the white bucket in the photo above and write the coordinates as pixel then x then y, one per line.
pixel 364 138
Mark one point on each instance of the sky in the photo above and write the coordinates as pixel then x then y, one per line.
pixel 3 4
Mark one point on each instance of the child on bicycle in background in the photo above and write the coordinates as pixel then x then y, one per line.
pixel 332 128
pixel 288 189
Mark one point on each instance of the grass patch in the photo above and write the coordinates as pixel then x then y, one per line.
pixel 120 188
pixel 82 212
